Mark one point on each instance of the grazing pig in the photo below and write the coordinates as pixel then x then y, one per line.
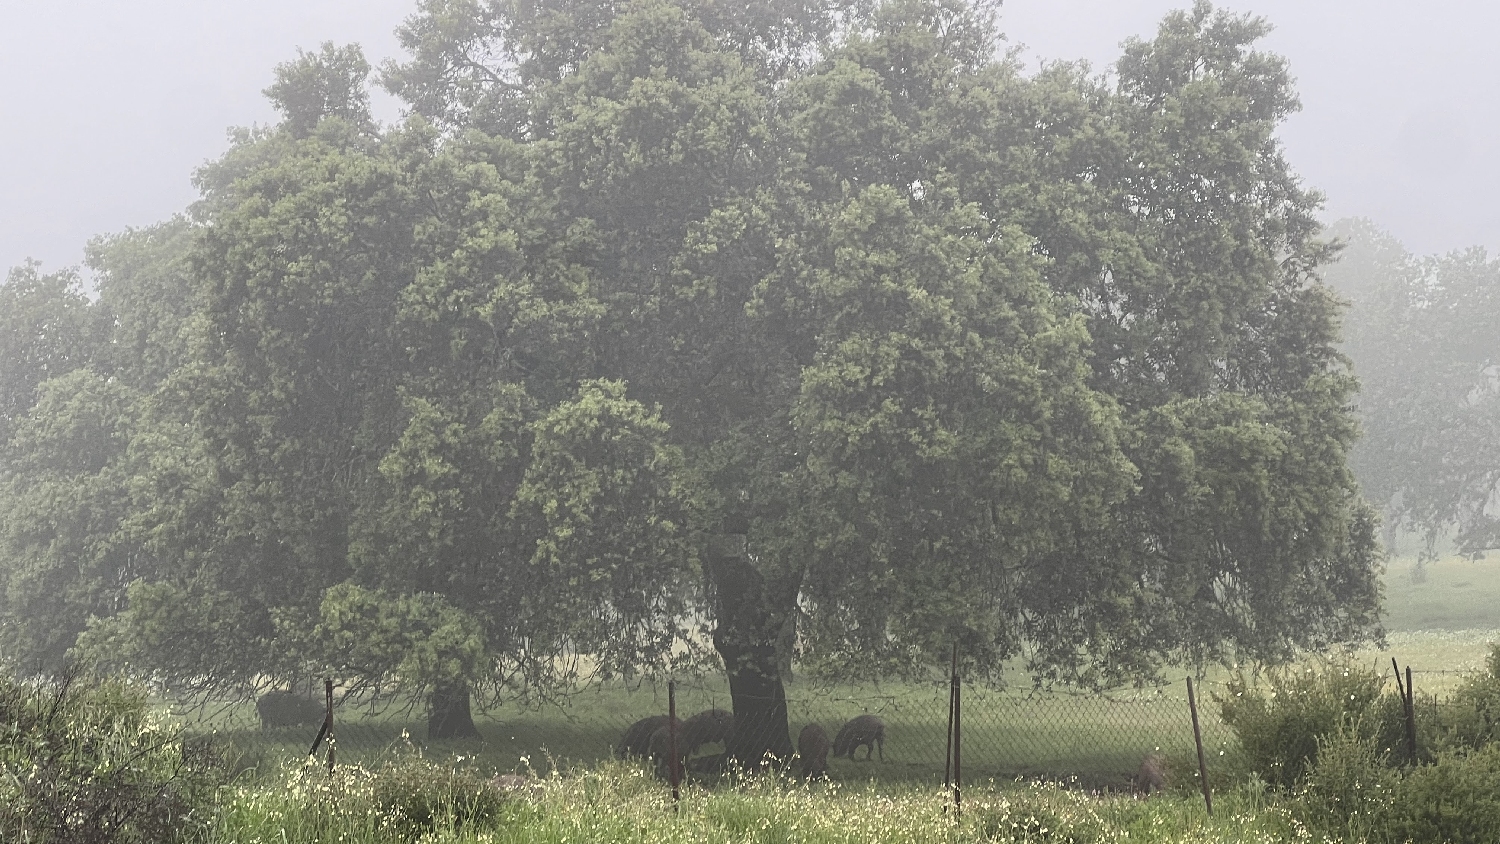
pixel 661 752
pixel 711 726
pixel 866 730
pixel 1153 774
pixel 812 746
pixel 285 709
pixel 637 739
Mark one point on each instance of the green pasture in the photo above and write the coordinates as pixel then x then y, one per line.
pixel 617 804
pixel 1006 733
pixel 1453 593
pixel 1441 625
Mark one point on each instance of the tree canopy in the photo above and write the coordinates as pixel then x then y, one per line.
pixel 820 323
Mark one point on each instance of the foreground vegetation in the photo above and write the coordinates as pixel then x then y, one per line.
pixel 1319 756
pixel 617 803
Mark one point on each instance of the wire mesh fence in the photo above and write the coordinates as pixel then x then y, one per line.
pixel 1097 739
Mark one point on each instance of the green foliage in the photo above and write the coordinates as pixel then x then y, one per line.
pixel 1038 364
pixel 67 490
pixel 1350 786
pixel 417 797
pixel 420 639
pixel 46 330
pixel 328 83
pixel 1283 726
pixel 1351 791
pixel 1472 713
pixel 620 804
pixel 180 631
pixel 90 762
pixel 1456 800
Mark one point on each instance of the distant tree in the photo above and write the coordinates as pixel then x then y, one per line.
pixel 1419 332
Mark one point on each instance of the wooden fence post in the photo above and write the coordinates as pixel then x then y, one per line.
pixel 1411 718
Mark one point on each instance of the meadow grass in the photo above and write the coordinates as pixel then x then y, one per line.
pixel 1019 747
pixel 1010 732
pixel 618 803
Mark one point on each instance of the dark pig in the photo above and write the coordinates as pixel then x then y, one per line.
pixel 812 746
pixel 867 731
pixel 637 739
pixel 1153 774
pixel 711 726
pixel 286 709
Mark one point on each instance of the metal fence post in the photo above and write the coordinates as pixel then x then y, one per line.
pixel 958 721
pixel 673 776
pixel 948 751
pixel 1208 800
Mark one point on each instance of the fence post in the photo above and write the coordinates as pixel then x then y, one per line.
pixel 673 776
pixel 948 751
pixel 325 730
pixel 958 744
pixel 328 719
pixel 1411 718
pixel 1208 800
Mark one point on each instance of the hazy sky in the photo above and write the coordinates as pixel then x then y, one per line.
pixel 106 106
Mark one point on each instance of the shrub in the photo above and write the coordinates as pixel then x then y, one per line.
pixel 87 761
pixel 1280 731
pixel 1348 790
pixel 1456 800
pixel 1473 713
pixel 417 797
pixel 1351 792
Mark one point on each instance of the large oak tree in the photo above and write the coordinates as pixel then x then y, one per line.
pixel 820 321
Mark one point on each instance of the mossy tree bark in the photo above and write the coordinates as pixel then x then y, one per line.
pixel 448 713
pixel 745 637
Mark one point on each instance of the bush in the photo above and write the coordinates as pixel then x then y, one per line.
pixel 1280 731
pixel 86 761
pixel 417 797
pixel 1456 800
pixel 1473 713
pixel 1349 789
pixel 1352 792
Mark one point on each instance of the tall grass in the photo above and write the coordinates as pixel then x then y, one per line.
pixel 620 803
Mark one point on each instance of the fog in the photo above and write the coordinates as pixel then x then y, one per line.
pixel 107 107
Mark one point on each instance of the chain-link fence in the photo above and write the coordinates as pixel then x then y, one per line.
pixel 1099 739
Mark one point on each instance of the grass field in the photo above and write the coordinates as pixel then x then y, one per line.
pixel 1006 734
pixel 615 803
pixel 1442 626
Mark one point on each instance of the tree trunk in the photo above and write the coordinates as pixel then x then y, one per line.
pixel 786 645
pixel 448 715
pixel 745 638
